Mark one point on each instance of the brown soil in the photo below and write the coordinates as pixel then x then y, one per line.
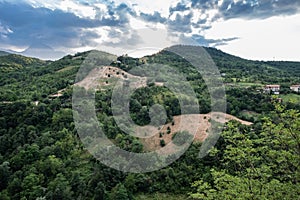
pixel 101 77
pixel 196 124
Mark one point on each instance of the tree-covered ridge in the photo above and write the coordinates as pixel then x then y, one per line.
pixel 13 62
pixel 238 69
pixel 42 156
pixel 36 79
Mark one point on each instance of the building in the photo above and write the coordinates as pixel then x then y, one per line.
pixel 274 89
pixel 295 88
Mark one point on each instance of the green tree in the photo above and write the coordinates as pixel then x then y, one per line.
pixel 119 192
pixel 31 186
pixel 226 186
pixel 4 175
pixel 59 189
pixel 100 192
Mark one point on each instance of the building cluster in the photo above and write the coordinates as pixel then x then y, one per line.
pixel 275 89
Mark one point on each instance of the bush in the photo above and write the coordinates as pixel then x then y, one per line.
pixel 162 143
pixel 161 134
pixel 168 130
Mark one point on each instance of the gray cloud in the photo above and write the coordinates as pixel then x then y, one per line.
pixel 127 39
pixel 179 7
pixel 181 23
pixel 212 42
pixel 204 4
pixel 249 9
pixel 156 17
pixel 54 27
pixel 125 8
pixel 259 9
pixel 221 42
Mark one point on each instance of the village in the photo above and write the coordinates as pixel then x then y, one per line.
pixel 275 89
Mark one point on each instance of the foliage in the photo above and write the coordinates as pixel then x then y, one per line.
pixel 263 165
pixel 42 157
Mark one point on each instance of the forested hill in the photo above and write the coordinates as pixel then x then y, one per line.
pixel 225 61
pixel 23 78
pixel 42 156
pixel 242 69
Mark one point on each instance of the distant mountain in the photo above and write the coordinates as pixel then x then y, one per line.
pixel 43 52
pixel 4 53
pixel 37 50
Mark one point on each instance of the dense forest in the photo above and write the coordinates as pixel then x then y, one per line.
pixel 42 156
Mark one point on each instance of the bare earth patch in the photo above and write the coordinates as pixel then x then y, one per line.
pixel 194 123
pixel 101 77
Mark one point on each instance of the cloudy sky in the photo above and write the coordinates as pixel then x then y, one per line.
pixel 253 29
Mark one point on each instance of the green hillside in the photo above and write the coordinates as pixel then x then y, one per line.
pixel 43 157
pixel 13 62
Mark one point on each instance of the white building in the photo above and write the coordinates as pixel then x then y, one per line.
pixel 295 88
pixel 275 89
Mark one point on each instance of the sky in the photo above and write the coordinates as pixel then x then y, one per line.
pixel 252 29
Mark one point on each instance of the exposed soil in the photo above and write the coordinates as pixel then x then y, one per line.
pixel 197 124
pixel 102 77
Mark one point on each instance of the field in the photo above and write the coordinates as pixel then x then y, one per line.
pixel 295 98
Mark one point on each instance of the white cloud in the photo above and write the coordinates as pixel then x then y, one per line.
pixel 274 38
pixel 150 41
pixel 150 6
pixel 13 47
pixel 78 9
pixel 102 7
pixel 137 24
pixel 4 31
pixel 67 6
